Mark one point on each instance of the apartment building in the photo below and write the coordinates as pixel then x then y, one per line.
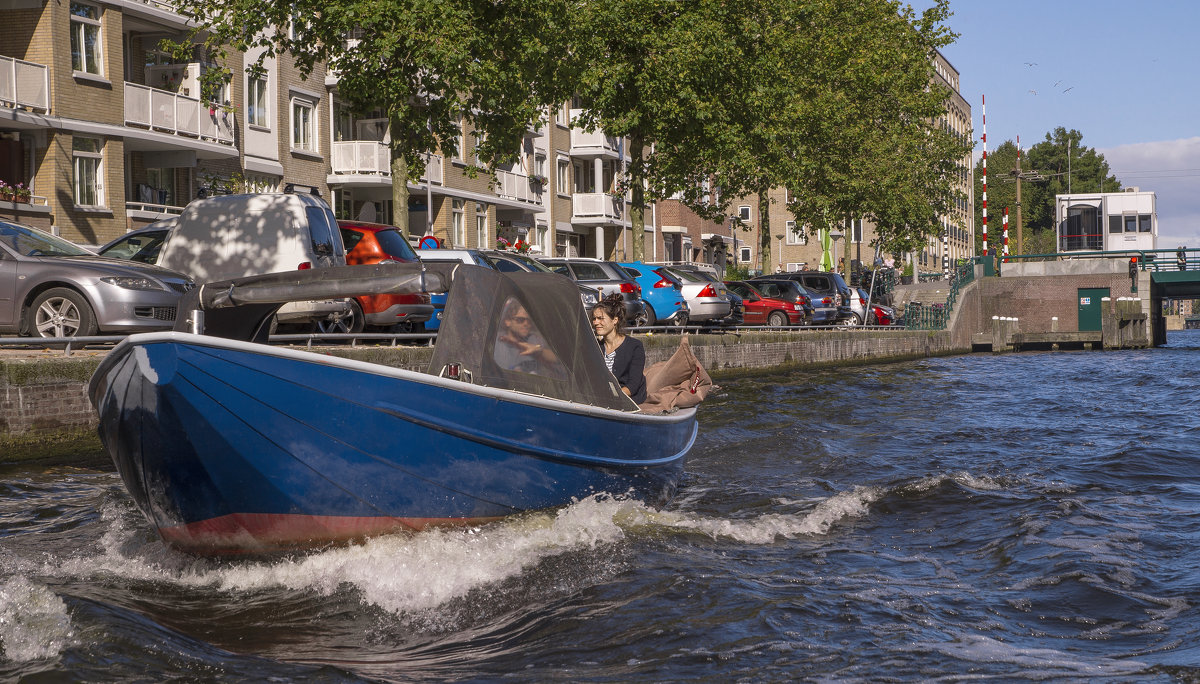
pixel 114 134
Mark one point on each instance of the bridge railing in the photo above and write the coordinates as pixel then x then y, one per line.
pixel 1147 259
pixel 918 316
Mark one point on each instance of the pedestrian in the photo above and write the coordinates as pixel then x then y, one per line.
pixel 623 355
pixel 1181 258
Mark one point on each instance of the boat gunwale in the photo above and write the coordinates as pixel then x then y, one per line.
pixel 537 400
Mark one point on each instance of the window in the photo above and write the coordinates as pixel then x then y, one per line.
pixel 795 237
pixel 258 183
pixel 256 102
pixel 561 179
pixel 856 230
pixel 303 130
pixel 459 226
pixel 85 38
pixel 744 255
pixel 1144 223
pixel 744 213
pixel 539 165
pixel 159 181
pixel 1114 224
pixel 87 161
pixel 481 225
pixel 460 143
pixel 1131 224
pixel 541 233
pixel 564 114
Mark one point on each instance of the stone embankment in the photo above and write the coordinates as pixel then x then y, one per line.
pixel 45 412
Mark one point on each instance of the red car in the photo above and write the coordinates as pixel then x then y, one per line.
pixel 376 243
pixel 764 310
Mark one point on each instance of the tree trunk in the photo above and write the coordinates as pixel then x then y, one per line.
pixel 764 233
pixel 399 167
pixel 637 216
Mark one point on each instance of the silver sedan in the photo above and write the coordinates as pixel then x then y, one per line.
pixel 50 287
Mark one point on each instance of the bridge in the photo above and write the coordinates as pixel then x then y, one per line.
pixel 1066 298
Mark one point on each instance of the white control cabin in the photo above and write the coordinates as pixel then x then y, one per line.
pixel 1106 221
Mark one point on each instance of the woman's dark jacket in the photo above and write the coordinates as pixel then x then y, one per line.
pixel 629 365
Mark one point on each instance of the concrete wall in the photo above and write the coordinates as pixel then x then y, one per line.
pixel 44 399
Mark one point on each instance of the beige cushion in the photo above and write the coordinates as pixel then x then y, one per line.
pixel 678 382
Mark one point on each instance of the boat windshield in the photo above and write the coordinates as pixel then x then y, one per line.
pixel 526 332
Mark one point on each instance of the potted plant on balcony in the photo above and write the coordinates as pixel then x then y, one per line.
pixel 6 192
pixel 537 179
pixel 21 193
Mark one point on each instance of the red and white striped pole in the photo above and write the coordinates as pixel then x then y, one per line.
pixel 983 109
pixel 1006 233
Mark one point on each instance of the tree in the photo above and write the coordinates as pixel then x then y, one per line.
pixel 1066 164
pixel 431 65
pixel 834 102
pixel 649 69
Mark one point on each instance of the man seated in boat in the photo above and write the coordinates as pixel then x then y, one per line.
pixel 519 345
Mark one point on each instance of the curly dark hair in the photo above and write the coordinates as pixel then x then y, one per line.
pixel 614 306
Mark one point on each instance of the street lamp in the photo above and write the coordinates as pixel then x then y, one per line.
pixel 779 262
pixel 836 235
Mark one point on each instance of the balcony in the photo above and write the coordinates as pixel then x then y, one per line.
pixel 596 207
pixel 24 84
pixel 179 115
pixel 372 158
pixel 594 144
pixel 518 186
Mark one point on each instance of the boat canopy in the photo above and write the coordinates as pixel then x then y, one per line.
pixel 526 332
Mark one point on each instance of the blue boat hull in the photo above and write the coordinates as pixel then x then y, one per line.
pixel 229 447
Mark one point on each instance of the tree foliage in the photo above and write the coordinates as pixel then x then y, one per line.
pixel 429 64
pixel 1044 171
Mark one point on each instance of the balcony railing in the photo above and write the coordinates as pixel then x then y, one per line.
pixel 596 205
pixel 370 157
pixel 24 84
pixel 165 111
pixel 518 186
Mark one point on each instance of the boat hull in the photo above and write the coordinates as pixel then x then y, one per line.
pixel 230 447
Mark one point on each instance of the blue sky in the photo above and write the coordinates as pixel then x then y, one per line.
pixel 1124 74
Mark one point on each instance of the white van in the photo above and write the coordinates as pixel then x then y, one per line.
pixel 234 236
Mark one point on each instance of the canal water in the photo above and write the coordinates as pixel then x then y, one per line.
pixel 1031 515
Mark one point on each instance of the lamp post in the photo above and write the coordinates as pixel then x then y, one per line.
pixel 779 259
pixel 836 235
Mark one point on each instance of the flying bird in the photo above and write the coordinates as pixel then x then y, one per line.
pixel 1069 89
pixel 1030 64
pixel 1057 83
pixel 1033 91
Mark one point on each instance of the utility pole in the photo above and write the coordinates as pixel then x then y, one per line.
pixel 1018 175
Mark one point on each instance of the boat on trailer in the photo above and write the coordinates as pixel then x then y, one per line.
pixel 232 446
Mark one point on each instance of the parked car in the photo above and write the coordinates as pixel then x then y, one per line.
pixel 705 297
pixel 762 309
pixel 606 276
pixel 824 311
pixel 822 284
pixel 508 262
pixel 448 256
pixel 52 288
pixel 662 294
pixel 142 244
pixel 377 243
pixel 737 311
pixel 233 236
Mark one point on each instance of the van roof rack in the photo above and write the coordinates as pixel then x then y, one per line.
pixel 291 188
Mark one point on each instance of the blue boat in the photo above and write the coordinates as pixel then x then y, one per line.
pixel 231 446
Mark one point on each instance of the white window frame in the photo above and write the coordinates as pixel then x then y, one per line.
pixel 856 231
pixel 481 225
pixel 92 60
pixel 258 104
pixel 745 255
pixel 304 126
pixel 87 192
pixel 744 213
pixel 460 143
pixel 563 175
pixel 458 223
pixel 792 237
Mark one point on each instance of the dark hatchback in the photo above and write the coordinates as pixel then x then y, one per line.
pixel 820 284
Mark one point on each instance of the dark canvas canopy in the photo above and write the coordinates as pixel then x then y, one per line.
pixel 526 332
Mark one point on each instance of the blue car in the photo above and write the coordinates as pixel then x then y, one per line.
pixel 662 293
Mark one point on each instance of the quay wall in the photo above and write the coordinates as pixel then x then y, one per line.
pixel 45 412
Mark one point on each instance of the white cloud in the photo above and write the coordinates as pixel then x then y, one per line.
pixel 1171 168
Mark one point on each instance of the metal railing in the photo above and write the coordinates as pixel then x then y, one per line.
pixel 918 316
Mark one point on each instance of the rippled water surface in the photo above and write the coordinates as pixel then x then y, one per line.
pixel 1027 516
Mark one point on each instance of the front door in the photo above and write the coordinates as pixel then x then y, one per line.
pixel 1089 307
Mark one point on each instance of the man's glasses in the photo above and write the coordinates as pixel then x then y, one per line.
pixel 519 319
